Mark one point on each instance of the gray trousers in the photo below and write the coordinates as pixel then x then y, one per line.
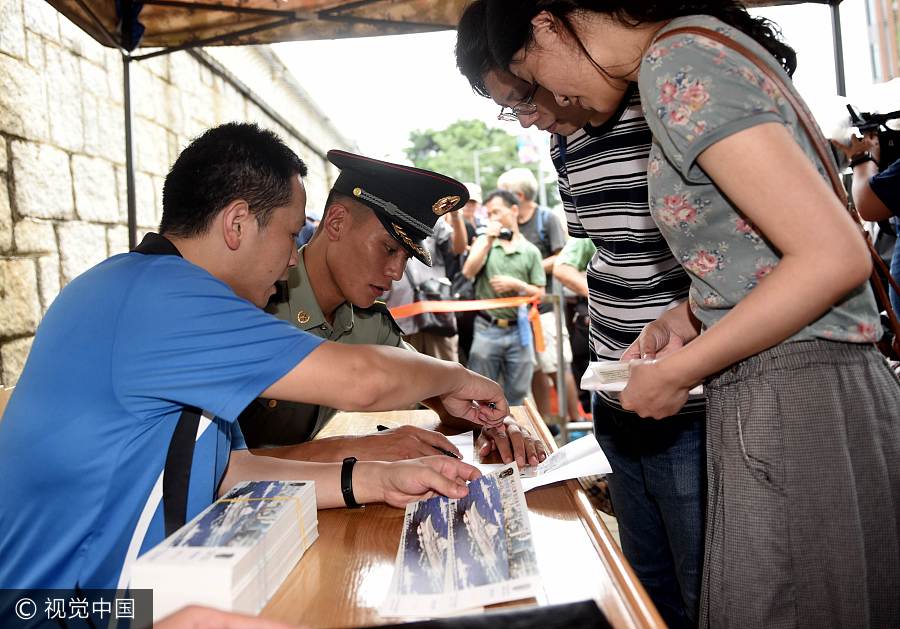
pixel 803 513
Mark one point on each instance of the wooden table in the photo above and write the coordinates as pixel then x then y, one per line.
pixel 343 578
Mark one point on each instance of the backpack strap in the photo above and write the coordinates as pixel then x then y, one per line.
pixel 542 225
pixel 819 144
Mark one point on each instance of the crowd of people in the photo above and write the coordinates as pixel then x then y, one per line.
pixel 491 243
pixel 706 245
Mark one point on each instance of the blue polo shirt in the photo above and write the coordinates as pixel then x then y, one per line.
pixel 83 442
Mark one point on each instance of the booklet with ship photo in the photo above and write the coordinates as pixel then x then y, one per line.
pixel 460 554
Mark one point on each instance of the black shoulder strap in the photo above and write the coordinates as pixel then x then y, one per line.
pixel 180 457
pixel 177 473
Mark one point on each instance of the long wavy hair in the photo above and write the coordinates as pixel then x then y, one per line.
pixel 508 23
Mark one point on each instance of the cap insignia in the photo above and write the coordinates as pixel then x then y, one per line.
pixel 412 244
pixel 444 204
pixel 394 211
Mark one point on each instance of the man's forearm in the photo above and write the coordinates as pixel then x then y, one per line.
pixel 477 257
pixel 243 466
pixel 326 450
pixel 531 290
pixel 572 278
pixel 548 263
pixel 460 240
pixel 446 418
pixel 867 203
pixel 366 379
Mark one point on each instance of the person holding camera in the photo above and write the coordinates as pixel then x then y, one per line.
pixel 876 195
pixel 503 264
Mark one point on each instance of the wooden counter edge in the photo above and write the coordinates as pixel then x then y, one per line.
pixel 635 598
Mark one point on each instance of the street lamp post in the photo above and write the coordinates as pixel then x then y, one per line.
pixel 475 161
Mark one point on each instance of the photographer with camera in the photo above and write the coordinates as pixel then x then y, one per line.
pixel 502 263
pixel 876 195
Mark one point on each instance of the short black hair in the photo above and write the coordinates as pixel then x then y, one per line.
pixel 228 162
pixel 508 197
pixel 356 208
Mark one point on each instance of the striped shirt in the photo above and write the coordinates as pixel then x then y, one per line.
pixel 633 277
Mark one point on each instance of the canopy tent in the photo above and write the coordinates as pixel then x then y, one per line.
pixel 172 25
pixel 179 24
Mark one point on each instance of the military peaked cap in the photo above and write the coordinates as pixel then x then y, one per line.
pixel 408 201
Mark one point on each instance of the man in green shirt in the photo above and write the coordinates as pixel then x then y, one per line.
pixel 504 264
pixel 571 265
pixel 570 269
pixel 375 217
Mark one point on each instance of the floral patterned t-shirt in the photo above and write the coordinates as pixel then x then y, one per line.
pixel 696 92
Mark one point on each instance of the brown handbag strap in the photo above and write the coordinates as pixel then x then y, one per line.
pixel 819 143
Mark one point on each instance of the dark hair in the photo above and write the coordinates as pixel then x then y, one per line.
pixel 356 208
pixel 508 22
pixel 473 56
pixel 508 197
pixel 232 161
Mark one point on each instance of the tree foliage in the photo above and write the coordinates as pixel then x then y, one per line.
pixel 451 151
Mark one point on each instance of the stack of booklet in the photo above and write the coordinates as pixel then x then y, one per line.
pixel 461 554
pixel 235 554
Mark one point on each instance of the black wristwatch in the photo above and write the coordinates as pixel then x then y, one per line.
pixel 347 483
pixel 861 158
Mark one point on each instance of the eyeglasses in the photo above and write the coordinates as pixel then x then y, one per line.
pixel 523 108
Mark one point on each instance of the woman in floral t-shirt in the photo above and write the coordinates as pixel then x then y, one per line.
pixel 803 419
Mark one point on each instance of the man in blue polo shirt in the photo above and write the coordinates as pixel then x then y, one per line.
pixel 143 364
pixel 876 195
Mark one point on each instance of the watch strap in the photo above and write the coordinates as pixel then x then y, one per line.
pixel 347 483
pixel 861 158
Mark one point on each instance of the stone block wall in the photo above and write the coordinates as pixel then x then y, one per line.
pixel 63 202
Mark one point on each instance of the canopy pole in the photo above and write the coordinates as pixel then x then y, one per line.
pixel 838 47
pixel 129 153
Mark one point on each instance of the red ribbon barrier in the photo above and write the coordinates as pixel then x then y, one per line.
pixel 420 307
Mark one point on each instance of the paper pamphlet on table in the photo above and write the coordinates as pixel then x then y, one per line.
pixel 458 554
pixel 465 443
pixel 582 457
pixel 235 554
pixel 612 376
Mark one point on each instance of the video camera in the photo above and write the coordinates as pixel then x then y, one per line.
pixel 505 234
pixel 888 139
